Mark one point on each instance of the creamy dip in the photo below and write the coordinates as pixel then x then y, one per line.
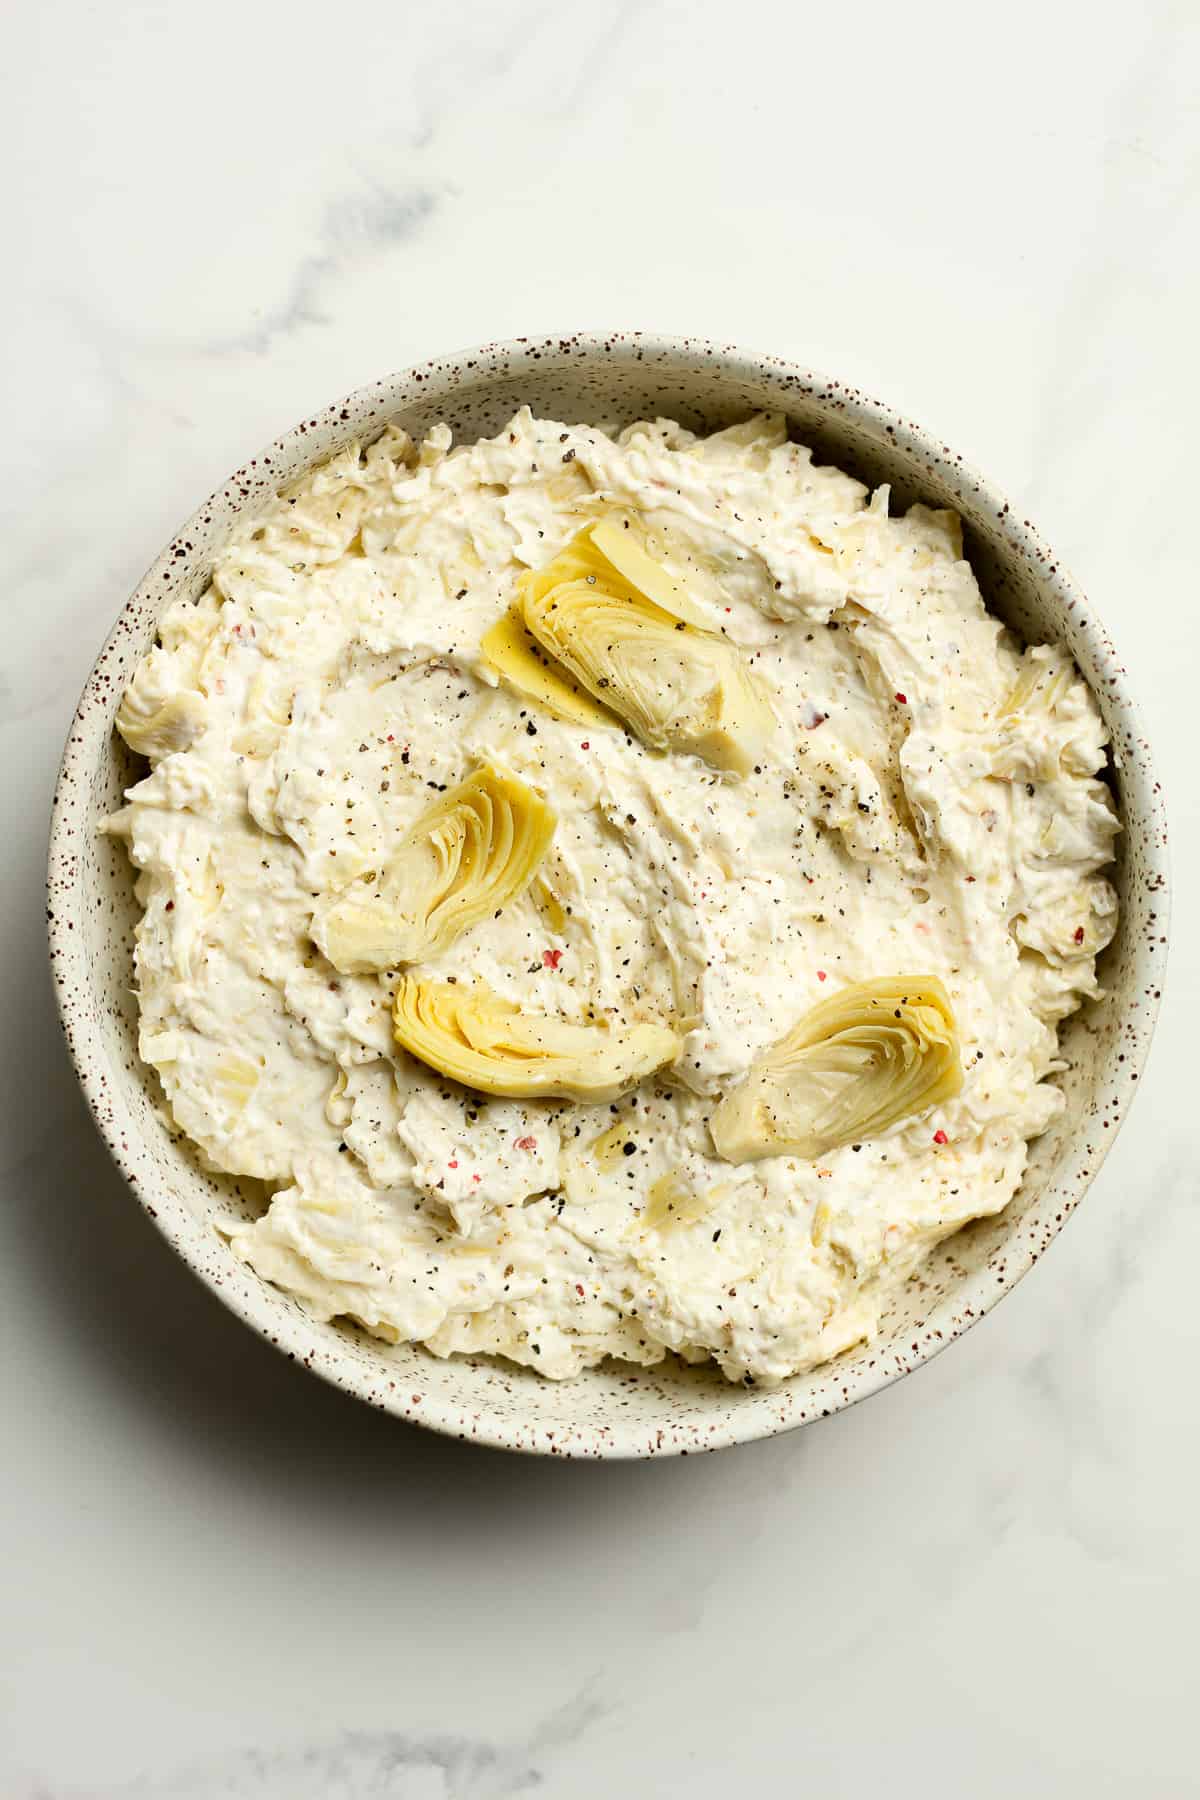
pixel 928 805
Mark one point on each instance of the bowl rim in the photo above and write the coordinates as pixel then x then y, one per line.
pixel 255 1305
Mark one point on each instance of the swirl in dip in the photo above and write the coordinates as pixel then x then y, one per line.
pixel 925 802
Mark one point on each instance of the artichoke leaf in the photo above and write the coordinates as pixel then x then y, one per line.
pixel 620 541
pixel 623 629
pixel 467 856
pixel 876 1053
pixel 478 1038
pixel 514 653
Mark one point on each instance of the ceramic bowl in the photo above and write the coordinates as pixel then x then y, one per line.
pixel 613 1411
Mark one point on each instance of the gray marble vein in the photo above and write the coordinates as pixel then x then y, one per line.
pixel 354 228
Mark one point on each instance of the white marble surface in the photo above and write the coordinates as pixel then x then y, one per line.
pixel 224 1579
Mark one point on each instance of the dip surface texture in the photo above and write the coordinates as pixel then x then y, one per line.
pixel 927 805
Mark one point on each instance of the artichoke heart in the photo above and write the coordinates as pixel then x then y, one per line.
pixel 623 628
pixel 878 1052
pixel 472 852
pixel 478 1038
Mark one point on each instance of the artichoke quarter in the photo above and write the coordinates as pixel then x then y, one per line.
pixel 857 1063
pixel 468 855
pixel 478 1038
pixel 623 630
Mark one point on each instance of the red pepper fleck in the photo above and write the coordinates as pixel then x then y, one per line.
pixel 821 976
pixel 477 1178
pixel 1079 934
pixel 452 1165
pixel 585 745
pixel 939 1137
pixel 391 738
pixel 551 958
pixel 903 699
pixel 579 1289
pixel 526 1143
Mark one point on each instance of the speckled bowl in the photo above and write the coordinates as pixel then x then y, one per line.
pixel 613 1411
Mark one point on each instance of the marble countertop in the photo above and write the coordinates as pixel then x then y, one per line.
pixel 226 1579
